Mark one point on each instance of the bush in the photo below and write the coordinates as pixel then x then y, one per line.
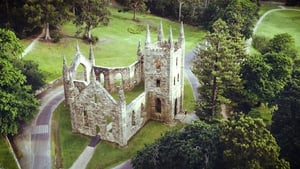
pixel 260 43
pixel 56 36
pixel 136 29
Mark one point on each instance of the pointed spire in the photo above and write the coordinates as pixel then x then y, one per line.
pixel 148 38
pixel 77 47
pixel 91 55
pixel 171 37
pixel 92 77
pixel 139 50
pixel 181 33
pixel 160 37
pixel 65 69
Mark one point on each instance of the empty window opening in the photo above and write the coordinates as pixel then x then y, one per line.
pixel 133 118
pixel 118 79
pixel 175 107
pixel 176 61
pixel 178 77
pixel 157 64
pixel 85 118
pixel 157 82
pixel 174 81
pixel 108 124
pixel 95 98
pixel 142 107
pixel 101 79
pixel 158 105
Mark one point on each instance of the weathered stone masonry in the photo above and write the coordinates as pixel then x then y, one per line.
pixel 95 112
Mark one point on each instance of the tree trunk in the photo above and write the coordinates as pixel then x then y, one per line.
pixel 179 12
pixel 134 14
pixel 88 33
pixel 47 32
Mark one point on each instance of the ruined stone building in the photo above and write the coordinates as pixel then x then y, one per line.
pixel 95 112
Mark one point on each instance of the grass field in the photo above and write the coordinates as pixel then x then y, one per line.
pixel 281 22
pixel 6 158
pixel 117 43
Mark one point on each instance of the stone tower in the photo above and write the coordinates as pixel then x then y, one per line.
pixel 164 75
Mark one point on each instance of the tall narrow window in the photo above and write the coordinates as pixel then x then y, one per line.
pixel 178 77
pixel 133 118
pixel 158 105
pixel 157 64
pixel 85 118
pixel 174 81
pixel 176 61
pixel 157 82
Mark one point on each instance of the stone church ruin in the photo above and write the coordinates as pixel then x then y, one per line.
pixel 160 66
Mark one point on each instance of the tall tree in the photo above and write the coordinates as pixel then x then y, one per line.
pixel 286 120
pixel 137 5
pixel 45 13
pixel 196 147
pixel 248 144
pixel 17 103
pixel 90 14
pixel 217 66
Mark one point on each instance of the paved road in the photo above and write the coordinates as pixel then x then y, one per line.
pixel 41 131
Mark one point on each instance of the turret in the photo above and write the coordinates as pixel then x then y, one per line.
pixel 91 55
pixel 65 69
pixel 181 38
pixel 139 50
pixel 148 38
pixel 160 37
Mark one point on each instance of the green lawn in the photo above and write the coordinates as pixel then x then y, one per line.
pixel 265 7
pixel 6 158
pixel 281 22
pixel 108 154
pixel 116 47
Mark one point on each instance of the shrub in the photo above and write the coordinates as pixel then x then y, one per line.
pixel 260 43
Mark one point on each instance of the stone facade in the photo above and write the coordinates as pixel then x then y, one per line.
pixel 95 112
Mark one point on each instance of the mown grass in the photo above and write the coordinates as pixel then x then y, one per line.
pixel 108 154
pixel 6 158
pixel 265 7
pixel 71 145
pixel 116 45
pixel 281 22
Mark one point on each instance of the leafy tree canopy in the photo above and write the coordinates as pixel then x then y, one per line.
pixel 194 147
pixel 17 103
pixel 248 144
pixel 286 120
pixel 90 14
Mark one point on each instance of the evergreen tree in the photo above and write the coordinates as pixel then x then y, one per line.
pixel 217 67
